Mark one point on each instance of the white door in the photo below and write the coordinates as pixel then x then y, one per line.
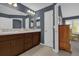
pixel 48 28
pixel 27 23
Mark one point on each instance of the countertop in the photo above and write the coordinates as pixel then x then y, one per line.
pixel 18 31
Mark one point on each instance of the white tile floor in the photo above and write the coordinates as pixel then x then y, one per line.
pixel 41 50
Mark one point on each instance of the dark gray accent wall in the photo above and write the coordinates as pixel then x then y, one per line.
pixel 23 8
pixel 40 13
pixel 71 17
pixel 12 16
pixel 60 11
pixel 54 28
pixel 60 15
pixel 24 22
pixel 3 15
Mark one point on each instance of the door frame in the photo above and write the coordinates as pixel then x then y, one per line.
pixel 55 27
pixel 56 18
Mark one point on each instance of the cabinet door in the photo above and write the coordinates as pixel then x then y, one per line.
pixel 36 38
pixel 28 41
pixel 64 40
pixel 17 45
pixel 5 48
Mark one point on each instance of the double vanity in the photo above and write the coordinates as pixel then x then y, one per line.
pixel 18 41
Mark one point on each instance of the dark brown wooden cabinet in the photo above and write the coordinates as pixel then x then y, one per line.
pixel 36 38
pixel 28 41
pixel 4 48
pixel 15 44
pixel 64 38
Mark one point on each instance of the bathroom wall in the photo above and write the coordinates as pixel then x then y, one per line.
pixel 9 13
pixel 40 13
pixel 11 17
pixel 24 9
pixel 7 10
pixel 11 23
pixel 5 23
pixel 70 9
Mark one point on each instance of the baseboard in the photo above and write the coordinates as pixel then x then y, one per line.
pixel 55 51
pixel 41 44
pixel 52 48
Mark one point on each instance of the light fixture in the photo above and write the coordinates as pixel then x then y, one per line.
pixel 13 4
pixel 30 12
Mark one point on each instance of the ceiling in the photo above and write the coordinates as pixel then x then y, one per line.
pixel 70 9
pixel 36 6
pixel 8 10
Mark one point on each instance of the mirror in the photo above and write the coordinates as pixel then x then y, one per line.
pixel 27 23
pixel 38 22
pixel 17 23
pixel 11 23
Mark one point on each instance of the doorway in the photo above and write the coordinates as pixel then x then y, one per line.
pixel 48 28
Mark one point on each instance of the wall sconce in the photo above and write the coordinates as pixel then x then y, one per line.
pixel 30 12
pixel 13 4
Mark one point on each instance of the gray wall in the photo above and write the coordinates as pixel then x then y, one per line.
pixel 8 10
pixel 70 9
pixel 15 17
pixel 23 8
pixel 40 13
